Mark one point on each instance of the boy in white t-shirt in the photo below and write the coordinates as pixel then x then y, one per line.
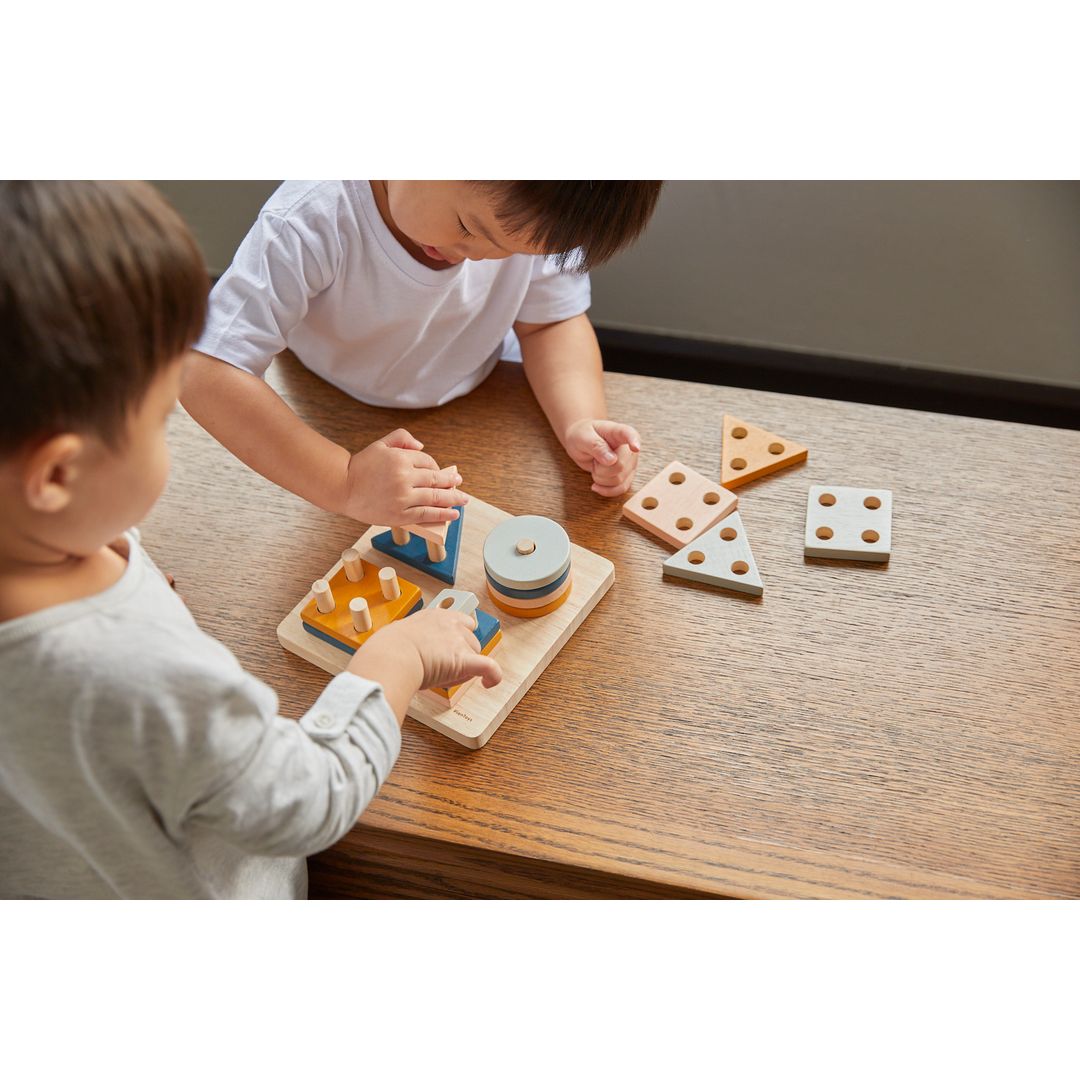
pixel 137 758
pixel 406 293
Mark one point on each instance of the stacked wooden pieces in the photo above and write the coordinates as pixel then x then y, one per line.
pixel 527 565
pixel 528 645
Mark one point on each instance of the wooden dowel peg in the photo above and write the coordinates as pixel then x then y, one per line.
pixel 435 552
pixel 350 559
pixel 361 617
pixel 525 547
pixel 324 598
pixel 389 583
pixel 400 536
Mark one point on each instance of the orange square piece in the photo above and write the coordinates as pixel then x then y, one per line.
pixel 338 624
pixel 748 452
pixel 679 504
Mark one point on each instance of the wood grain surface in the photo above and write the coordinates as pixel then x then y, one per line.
pixel 861 730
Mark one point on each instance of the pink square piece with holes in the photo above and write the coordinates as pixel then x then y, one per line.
pixel 679 504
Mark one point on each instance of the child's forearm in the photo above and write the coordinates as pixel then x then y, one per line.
pixel 244 414
pixel 563 365
pixel 398 669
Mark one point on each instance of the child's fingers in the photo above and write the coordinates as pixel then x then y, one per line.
pixel 611 490
pixel 434 477
pixel 616 435
pixel 444 497
pixel 467 624
pixel 429 515
pixel 601 453
pixel 423 461
pixel 402 440
pixel 488 669
pixel 609 474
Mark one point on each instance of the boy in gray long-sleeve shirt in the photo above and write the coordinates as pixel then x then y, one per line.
pixel 137 758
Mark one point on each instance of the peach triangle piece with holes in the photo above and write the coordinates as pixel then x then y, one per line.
pixel 749 452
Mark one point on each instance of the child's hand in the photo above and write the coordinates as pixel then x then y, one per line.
pixel 608 451
pixel 431 648
pixel 447 647
pixel 391 482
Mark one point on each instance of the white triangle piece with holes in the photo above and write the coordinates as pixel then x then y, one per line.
pixel 719 556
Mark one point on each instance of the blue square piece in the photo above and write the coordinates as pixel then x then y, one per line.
pixel 487 626
pixel 414 553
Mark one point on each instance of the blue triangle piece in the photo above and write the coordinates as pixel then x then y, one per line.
pixel 414 553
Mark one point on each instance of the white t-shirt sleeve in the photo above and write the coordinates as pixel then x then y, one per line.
pixel 553 295
pixel 265 293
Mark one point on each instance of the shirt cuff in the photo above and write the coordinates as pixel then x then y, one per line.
pixel 357 707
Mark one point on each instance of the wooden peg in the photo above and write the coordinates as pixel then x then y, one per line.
pixel 324 598
pixel 525 547
pixel 361 617
pixel 389 582
pixel 400 536
pixel 350 559
pixel 435 552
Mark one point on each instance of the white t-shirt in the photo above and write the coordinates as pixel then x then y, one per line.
pixel 321 273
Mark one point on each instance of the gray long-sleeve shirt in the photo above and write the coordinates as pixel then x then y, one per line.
pixel 138 759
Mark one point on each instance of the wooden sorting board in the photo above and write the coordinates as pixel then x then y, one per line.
pixel 528 645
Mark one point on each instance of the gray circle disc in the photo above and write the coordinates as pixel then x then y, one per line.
pixel 548 562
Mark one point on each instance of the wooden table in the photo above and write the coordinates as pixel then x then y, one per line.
pixel 860 731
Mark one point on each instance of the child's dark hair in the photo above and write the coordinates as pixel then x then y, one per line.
pixel 599 217
pixel 101 287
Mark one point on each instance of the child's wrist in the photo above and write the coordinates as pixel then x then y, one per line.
pixel 348 480
pixel 568 429
pixel 394 664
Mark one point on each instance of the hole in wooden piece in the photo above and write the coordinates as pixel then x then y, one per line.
pixel 824 533
pixel 696 557
pixel 649 503
pixel 711 497
pixel 738 433
pixel 684 524
pixel 776 448
pixel 870 536
pixel 826 499
pixel 740 567
pixel 447 602
pixel 728 534
pixel 871 502
pixel 738 463
pixel 677 478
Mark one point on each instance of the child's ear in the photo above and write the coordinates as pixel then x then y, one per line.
pixel 50 473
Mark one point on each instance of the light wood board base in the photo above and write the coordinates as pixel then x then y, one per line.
pixel 528 645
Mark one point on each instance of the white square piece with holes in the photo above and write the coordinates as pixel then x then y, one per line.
pixel 848 523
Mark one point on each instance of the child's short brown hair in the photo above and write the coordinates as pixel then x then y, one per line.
pixel 101 287
pixel 599 217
